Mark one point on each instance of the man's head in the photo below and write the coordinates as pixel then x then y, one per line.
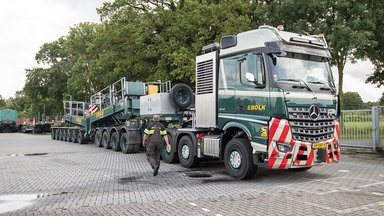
pixel 156 118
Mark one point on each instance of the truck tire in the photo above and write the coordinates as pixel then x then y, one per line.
pixel 105 140
pixel 124 143
pixel 238 159
pixel 53 134
pixel 181 96
pixel 169 156
pixel 80 137
pixel 74 136
pixel 130 141
pixel 69 135
pixel 98 138
pixel 61 134
pixel 65 134
pixel 115 145
pixel 185 152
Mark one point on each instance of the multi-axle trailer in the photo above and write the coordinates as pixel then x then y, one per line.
pixel 262 97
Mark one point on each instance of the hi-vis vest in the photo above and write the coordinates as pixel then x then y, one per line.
pixel 155 131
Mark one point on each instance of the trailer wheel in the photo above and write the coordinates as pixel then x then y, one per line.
pixel 65 135
pixel 80 137
pixel 185 152
pixel 98 137
pixel 60 136
pixel 105 140
pixel 53 134
pixel 168 155
pixel 74 136
pixel 69 135
pixel 115 145
pixel 238 159
pixel 181 96
pixel 124 143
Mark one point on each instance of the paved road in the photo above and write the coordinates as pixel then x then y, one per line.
pixel 48 177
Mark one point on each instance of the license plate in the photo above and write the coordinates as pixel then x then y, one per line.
pixel 319 145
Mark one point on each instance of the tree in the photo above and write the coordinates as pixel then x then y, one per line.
pixel 346 24
pixel 352 101
pixel 2 102
pixel 375 50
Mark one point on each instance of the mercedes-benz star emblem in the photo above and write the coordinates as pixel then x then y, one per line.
pixel 314 112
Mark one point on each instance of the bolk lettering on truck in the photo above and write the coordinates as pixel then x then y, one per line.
pixel 264 97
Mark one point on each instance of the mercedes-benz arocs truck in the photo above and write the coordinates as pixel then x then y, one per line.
pixel 262 97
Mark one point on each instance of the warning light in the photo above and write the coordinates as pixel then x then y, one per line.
pixel 280 27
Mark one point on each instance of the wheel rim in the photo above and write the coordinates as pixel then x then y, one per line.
pixel 183 96
pixel 235 159
pixel 185 152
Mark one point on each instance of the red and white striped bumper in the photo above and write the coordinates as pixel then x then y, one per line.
pixel 301 154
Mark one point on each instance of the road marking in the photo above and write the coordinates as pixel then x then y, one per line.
pixel 344 171
pixel 381 203
pixel 368 185
pixel 193 204
pixel 206 210
pixel 381 175
pixel 218 215
pixel 332 191
pixel 108 176
pixel 379 194
pixel 324 181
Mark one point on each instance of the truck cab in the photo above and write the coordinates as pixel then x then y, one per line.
pixel 276 102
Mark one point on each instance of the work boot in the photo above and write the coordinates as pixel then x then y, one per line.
pixel 156 170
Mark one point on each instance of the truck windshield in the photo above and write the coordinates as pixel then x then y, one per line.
pixel 306 68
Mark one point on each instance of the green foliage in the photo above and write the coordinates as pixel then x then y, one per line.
pixel 352 101
pixel 2 102
pixel 375 50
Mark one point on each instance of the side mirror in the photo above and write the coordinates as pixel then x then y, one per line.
pixel 250 77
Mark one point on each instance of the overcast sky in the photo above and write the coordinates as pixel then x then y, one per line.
pixel 26 24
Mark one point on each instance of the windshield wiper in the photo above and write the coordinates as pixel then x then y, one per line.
pixel 326 88
pixel 299 81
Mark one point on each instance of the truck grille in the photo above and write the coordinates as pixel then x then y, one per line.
pixel 304 128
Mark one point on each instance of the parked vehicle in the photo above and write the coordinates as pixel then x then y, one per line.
pixel 262 97
pixel 8 120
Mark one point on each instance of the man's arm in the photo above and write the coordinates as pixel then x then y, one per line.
pixel 145 138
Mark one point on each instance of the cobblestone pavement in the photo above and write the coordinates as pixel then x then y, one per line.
pixel 59 178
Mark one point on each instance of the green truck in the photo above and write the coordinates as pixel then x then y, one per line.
pixel 264 97
pixel 8 119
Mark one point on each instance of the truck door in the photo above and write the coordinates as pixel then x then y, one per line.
pixel 228 77
pixel 251 92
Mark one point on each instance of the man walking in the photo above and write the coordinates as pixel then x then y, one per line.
pixel 155 133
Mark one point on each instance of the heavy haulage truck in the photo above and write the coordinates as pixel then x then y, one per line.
pixel 262 97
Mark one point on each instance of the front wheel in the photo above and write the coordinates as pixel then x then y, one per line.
pixel 238 159
pixel 185 152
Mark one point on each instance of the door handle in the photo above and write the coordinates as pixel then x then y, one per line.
pixel 239 108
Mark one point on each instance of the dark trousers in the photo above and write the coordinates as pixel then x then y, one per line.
pixel 153 153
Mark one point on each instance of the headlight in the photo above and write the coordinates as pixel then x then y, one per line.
pixel 284 147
